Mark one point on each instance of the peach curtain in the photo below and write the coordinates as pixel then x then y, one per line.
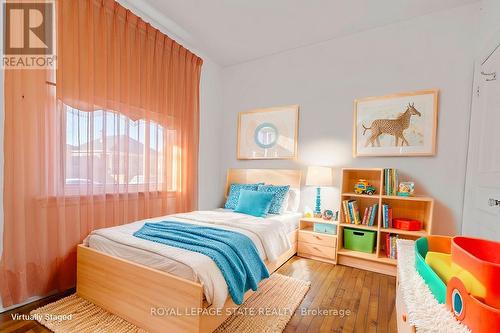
pixel 114 141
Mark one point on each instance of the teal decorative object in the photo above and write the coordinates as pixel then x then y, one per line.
pixel 317 210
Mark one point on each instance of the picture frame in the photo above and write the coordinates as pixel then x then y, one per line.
pixel 268 133
pixel 402 124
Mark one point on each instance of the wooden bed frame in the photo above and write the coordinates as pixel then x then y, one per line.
pixel 145 296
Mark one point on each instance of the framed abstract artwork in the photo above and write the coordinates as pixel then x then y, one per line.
pixel 402 124
pixel 269 133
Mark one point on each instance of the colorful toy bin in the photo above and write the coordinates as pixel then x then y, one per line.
pixel 464 273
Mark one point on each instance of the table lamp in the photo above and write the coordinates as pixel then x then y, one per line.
pixel 320 177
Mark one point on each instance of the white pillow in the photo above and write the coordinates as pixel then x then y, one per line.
pixel 292 200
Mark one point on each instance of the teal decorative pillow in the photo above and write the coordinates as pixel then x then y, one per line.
pixel 279 196
pixel 254 203
pixel 234 193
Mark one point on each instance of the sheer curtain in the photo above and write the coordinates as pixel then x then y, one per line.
pixel 113 141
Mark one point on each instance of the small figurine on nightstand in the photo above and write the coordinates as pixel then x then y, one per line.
pixel 406 189
pixel 327 214
pixel 308 212
pixel 362 187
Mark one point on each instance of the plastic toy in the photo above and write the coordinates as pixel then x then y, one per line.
pixel 406 189
pixel 362 187
pixel 463 272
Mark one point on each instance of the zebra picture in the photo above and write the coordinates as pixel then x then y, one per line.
pixel 396 125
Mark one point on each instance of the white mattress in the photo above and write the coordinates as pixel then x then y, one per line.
pixel 120 242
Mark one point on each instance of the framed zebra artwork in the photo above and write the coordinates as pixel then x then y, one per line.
pixel 403 124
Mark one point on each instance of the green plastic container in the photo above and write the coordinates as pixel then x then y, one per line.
pixel 359 240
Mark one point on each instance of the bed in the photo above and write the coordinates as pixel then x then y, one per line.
pixel 143 282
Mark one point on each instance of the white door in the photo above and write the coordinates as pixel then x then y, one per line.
pixel 481 216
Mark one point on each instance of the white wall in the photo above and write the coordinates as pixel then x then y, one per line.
pixel 210 170
pixel 432 51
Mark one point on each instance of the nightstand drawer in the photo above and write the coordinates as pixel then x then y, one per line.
pixel 314 238
pixel 317 250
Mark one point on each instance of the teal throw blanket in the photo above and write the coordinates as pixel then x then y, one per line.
pixel 234 253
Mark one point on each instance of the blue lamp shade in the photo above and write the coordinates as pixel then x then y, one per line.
pixel 319 176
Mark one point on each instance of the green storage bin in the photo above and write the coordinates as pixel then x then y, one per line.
pixel 359 240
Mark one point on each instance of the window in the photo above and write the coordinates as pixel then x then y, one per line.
pixel 107 150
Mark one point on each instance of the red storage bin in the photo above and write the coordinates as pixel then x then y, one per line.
pixel 407 224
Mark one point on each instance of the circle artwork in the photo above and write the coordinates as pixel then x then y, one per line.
pixel 266 135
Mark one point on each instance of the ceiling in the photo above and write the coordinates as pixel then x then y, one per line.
pixel 236 31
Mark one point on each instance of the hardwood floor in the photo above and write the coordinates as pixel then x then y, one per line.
pixel 7 324
pixel 354 301
pixel 369 297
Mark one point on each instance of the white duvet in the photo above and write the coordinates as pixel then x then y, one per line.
pixel 270 236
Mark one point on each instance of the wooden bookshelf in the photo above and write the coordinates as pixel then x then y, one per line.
pixel 415 207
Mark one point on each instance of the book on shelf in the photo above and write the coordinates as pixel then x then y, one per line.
pixel 346 212
pixel 365 215
pixel 390 181
pixel 352 212
pixel 390 246
pixel 386 183
pixel 355 209
pixel 389 218
pixel 386 216
pixel 373 214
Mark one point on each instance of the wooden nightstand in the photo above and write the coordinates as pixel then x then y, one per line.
pixel 317 245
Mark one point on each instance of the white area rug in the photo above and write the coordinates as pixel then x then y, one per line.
pixel 424 311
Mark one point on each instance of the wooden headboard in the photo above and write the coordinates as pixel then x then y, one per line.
pixel 268 176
